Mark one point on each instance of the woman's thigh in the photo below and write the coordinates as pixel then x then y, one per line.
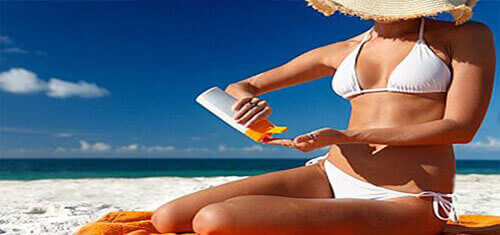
pixel 282 215
pixel 301 182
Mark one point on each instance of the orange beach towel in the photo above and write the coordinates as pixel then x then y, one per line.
pixel 139 223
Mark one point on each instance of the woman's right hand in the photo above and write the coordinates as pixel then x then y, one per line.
pixel 251 110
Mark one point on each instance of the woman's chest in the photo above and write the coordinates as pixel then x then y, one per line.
pixel 378 63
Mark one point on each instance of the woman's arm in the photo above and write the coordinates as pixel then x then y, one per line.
pixel 311 65
pixel 473 63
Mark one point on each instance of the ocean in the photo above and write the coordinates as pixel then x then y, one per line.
pixel 32 169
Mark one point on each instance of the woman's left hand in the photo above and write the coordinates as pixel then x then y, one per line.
pixel 310 141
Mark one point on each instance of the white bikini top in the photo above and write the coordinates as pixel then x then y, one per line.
pixel 421 71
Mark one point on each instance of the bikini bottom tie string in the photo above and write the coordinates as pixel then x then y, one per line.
pixel 444 201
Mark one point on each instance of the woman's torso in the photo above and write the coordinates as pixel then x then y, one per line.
pixel 402 168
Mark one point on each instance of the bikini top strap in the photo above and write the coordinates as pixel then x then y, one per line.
pixel 316 159
pixel 421 33
pixel 367 35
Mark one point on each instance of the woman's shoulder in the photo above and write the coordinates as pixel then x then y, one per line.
pixel 343 45
pixel 471 42
pixel 332 54
pixel 471 24
pixel 474 30
pixel 458 33
pixel 337 51
pixel 474 27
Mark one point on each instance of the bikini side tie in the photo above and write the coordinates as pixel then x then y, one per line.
pixel 440 201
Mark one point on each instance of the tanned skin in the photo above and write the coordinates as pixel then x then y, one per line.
pixel 398 141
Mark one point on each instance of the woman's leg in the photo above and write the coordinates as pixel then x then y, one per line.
pixel 301 182
pixel 283 215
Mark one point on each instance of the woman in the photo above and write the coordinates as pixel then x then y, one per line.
pixel 416 86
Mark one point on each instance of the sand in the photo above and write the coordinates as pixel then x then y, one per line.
pixel 61 206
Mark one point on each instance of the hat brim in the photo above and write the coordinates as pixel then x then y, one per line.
pixel 396 9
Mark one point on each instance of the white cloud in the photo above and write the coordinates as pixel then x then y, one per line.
pixel 26 151
pixel 20 150
pixel 159 148
pixel 63 135
pixel 100 146
pixel 22 81
pixel 84 145
pixel 96 147
pixel 60 150
pixel 62 89
pixel 253 148
pixel 14 50
pixel 128 148
pixel 52 133
pixel 222 148
pixel 492 143
pixel 195 150
pixel 5 40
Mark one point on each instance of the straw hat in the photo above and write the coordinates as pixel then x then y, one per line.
pixel 461 10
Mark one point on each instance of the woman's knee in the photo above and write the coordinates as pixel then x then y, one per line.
pixel 213 219
pixel 170 218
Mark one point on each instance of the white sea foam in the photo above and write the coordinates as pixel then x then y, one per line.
pixel 61 206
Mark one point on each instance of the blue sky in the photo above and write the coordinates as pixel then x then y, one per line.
pixel 119 78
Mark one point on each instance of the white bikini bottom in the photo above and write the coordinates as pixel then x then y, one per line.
pixel 346 186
